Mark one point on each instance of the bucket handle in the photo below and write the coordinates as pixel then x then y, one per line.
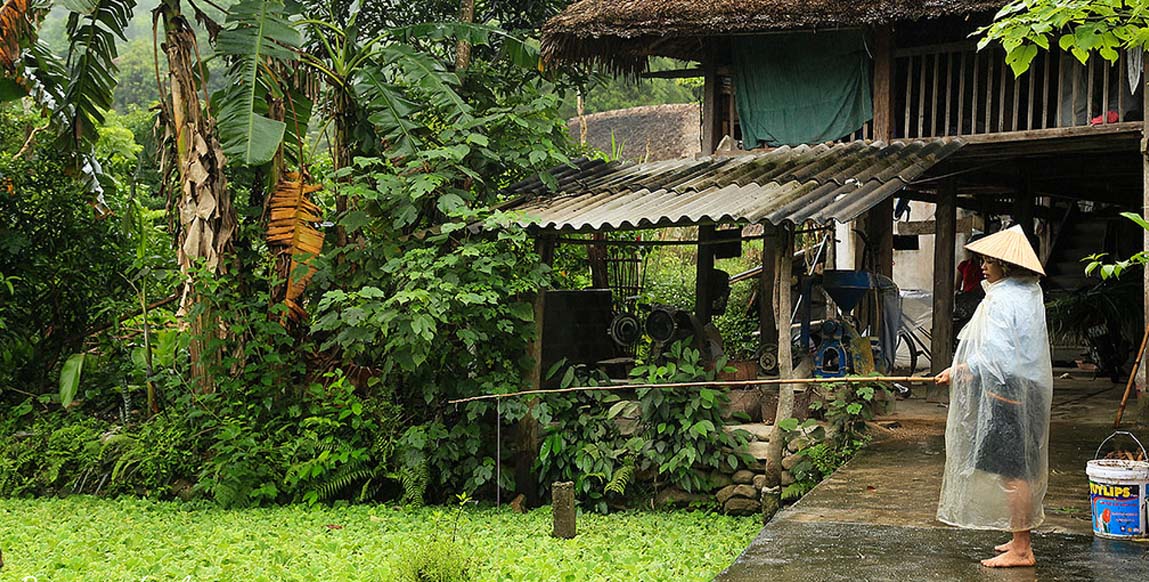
pixel 1144 455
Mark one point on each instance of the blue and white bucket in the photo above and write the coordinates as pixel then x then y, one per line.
pixel 1117 494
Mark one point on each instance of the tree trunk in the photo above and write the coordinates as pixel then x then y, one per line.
pixel 206 217
pixel 463 49
pixel 784 261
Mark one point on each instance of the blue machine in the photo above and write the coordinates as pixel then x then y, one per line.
pixel 830 359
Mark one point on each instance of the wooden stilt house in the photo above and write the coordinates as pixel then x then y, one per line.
pixel 835 110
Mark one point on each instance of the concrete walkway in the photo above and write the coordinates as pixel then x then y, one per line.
pixel 874 518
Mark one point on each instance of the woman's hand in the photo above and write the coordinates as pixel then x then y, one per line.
pixel 944 377
pixel 960 373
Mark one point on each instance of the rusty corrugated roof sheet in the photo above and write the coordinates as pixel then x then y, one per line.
pixel 790 184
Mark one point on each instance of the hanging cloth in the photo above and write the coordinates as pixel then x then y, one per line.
pixel 997 432
pixel 802 87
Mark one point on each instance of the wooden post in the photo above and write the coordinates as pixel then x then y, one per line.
pixel 784 259
pixel 703 289
pixel 597 255
pixel 879 221
pixel 880 236
pixel 1023 204
pixel 767 328
pixel 711 104
pixel 527 441
pixel 883 84
pixel 562 508
pixel 945 236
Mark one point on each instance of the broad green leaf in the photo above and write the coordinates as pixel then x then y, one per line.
pixel 70 378
pixel 257 37
pixel 93 29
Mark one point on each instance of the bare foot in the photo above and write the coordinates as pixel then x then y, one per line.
pixel 1004 547
pixel 1011 559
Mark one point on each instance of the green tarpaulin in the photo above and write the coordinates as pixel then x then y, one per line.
pixel 801 88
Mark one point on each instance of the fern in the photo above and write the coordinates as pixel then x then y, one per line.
pixel 413 476
pixel 349 475
pixel 796 490
pixel 622 478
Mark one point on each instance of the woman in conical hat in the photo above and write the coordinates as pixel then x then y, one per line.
pixel 997 432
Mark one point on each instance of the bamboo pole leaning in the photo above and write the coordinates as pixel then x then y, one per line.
pixel 705 384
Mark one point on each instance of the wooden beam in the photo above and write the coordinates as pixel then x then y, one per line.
pixel 883 84
pixel 703 289
pixel 920 227
pixel 711 104
pixel 880 235
pixel 941 341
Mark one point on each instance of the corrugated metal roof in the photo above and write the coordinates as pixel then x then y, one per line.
pixel 789 184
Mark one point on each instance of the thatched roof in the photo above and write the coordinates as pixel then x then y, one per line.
pixel 620 34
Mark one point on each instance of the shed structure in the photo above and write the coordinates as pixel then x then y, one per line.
pixel 1053 150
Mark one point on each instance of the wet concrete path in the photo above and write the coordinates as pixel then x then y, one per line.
pixel 874 518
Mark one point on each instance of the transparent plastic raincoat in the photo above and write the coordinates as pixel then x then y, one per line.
pixel 997 433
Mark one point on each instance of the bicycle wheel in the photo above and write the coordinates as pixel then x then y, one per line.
pixel 904 339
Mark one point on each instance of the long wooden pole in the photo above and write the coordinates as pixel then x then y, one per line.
pixel 1132 380
pixel 702 384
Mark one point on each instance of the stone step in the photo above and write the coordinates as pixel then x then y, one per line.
pixel 757 430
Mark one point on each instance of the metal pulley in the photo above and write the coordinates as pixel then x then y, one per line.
pixel 625 330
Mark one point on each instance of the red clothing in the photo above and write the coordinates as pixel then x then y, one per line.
pixel 971 275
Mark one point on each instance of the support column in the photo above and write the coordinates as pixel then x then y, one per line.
pixel 703 289
pixel 945 236
pixel 767 327
pixel 880 236
pixel 711 104
pixel 527 433
pixel 784 257
pixel 1024 202
pixel 883 84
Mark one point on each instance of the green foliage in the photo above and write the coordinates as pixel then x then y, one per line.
pixel 1114 300
pixel 85 539
pixel 846 408
pixel 1081 28
pixel 440 557
pixel 1096 263
pixel 66 265
pixel 257 38
pixel 603 442
pixel 70 378
pixel 52 456
pixel 93 28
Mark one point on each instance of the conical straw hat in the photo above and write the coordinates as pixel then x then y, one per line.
pixel 1009 245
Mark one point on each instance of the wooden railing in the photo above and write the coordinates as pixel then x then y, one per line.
pixel 954 90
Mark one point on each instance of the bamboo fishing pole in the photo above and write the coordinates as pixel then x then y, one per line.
pixel 701 384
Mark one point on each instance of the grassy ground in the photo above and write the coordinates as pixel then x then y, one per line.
pixel 82 538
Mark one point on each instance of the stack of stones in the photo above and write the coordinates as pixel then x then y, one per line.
pixel 739 492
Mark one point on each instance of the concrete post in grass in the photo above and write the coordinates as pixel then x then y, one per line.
pixel 562 505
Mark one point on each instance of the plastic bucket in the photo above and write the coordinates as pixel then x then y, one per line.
pixel 1117 494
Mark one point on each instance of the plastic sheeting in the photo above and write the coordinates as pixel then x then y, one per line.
pixel 997 434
